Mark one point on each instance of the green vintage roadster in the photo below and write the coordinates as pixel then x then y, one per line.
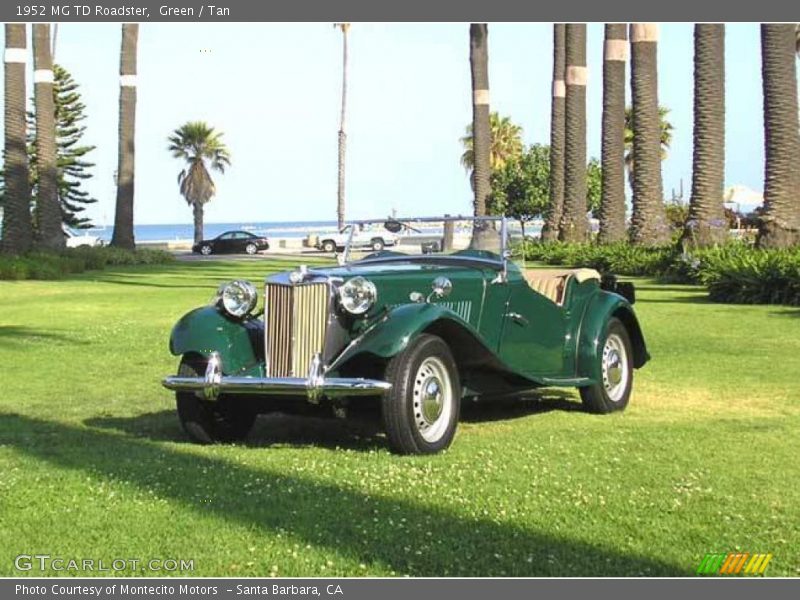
pixel 408 333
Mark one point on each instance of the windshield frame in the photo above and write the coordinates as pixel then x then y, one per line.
pixel 501 263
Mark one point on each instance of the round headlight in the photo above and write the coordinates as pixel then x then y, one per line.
pixel 357 295
pixel 238 298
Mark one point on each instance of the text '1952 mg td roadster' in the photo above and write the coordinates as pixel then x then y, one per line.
pixel 446 314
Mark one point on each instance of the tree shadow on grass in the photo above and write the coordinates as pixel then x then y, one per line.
pixel 20 334
pixel 700 298
pixel 373 530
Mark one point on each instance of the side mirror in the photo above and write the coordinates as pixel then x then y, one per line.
pixel 442 287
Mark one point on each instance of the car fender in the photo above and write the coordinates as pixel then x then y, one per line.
pixel 394 331
pixel 205 330
pixel 598 311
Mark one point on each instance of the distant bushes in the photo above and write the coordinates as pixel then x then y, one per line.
pixel 46 265
pixel 733 273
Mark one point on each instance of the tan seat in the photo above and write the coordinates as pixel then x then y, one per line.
pixel 552 283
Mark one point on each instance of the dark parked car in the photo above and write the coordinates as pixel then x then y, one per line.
pixel 232 242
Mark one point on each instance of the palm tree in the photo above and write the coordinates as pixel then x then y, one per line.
pixel 665 127
pixel 123 217
pixel 556 205
pixel 48 208
pixel 201 147
pixel 481 130
pixel 648 222
pixel 574 225
pixel 345 27
pixel 780 223
pixel 612 199
pixel 706 224
pixel 506 143
pixel 17 229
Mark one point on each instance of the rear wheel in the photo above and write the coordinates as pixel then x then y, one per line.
pixel 329 246
pixel 420 412
pixel 224 420
pixel 613 391
pixel 205 249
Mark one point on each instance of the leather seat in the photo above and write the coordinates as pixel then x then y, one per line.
pixel 552 283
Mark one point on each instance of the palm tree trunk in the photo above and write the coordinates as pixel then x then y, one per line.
pixel 123 217
pixel 342 135
pixel 612 198
pixel 17 229
pixel 550 228
pixel 197 211
pixel 706 224
pixel 780 224
pixel 481 131
pixel 574 225
pixel 648 222
pixel 48 209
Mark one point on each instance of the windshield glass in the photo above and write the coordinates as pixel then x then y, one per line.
pixel 420 237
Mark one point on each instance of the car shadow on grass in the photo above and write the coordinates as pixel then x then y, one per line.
pixel 273 429
pixel 361 434
pixel 385 532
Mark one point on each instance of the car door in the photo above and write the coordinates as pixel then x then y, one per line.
pixel 533 338
pixel 225 243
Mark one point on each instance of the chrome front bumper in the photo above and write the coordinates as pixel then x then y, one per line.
pixel 312 387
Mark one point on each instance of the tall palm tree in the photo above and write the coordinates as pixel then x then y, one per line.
pixel 556 205
pixel 202 148
pixel 648 222
pixel 17 229
pixel 48 208
pixel 506 143
pixel 123 217
pixel 612 195
pixel 706 224
pixel 666 128
pixel 482 136
pixel 574 224
pixel 345 27
pixel 780 224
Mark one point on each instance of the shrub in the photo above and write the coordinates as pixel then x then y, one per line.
pixel 46 265
pixel 619 258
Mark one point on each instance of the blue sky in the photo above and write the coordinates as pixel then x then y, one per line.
pixel 273 89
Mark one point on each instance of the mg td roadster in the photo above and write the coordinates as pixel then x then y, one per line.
pixel 407 333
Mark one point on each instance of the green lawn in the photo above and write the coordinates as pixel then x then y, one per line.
pixel 93 462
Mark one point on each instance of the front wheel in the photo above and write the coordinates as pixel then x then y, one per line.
pixel 420 412
pixel 377 245
pixel 224 420
pixel 329 246
pixel 613 391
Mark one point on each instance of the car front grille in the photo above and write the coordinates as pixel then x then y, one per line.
pixel 295 319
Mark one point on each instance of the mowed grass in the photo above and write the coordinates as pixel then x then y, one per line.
pixel 93 463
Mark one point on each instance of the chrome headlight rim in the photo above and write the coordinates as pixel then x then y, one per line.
pixel 237 298
pixel 357 295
